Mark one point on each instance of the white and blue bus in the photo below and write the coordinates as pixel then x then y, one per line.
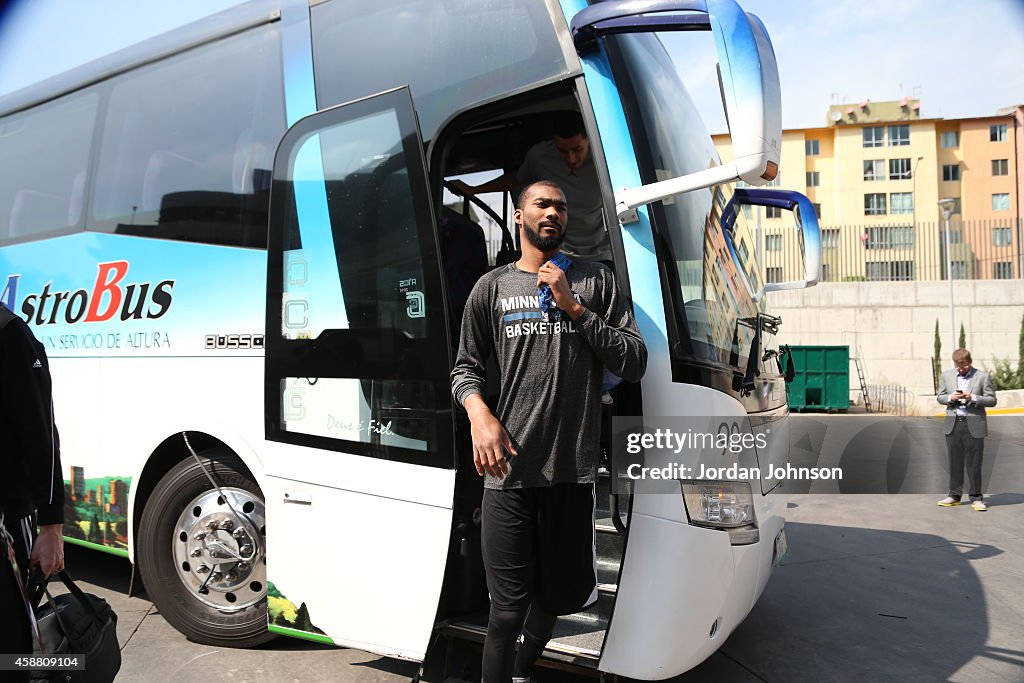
pixel 233 243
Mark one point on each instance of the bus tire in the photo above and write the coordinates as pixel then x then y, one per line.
pixel 184 536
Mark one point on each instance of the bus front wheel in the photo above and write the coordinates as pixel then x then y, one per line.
pixel 201 551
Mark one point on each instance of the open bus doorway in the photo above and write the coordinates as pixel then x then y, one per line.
pixel 475 148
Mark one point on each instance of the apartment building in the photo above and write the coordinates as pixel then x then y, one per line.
pixel 875 173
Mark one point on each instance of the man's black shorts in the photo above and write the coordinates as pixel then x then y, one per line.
pixel 538 544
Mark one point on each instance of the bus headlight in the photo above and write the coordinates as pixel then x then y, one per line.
pixel 725 505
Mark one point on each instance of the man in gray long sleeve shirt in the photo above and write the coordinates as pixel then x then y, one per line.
pixel 539 453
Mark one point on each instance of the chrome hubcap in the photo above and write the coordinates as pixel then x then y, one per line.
pixel 220 557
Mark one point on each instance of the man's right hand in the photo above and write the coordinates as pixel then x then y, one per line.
pixel 48 550
pixel 490 439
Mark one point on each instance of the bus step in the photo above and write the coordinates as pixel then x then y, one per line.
pixel 576 640
pixel 556 651
pixel 584 631
pixel 607 571
pixel 610 545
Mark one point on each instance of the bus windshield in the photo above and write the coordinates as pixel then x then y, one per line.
pixel 706 293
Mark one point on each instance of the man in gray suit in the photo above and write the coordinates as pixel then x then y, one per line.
pixel 966 392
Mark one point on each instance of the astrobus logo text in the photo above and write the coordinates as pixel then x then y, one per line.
pixel 109 297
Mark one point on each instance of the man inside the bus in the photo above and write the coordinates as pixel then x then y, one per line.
pixel 553 323
pixel 564 159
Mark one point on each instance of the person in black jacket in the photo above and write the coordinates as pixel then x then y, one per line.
pixel 31 477
pixel 553 324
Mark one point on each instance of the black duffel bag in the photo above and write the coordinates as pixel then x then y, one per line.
pixel 77 623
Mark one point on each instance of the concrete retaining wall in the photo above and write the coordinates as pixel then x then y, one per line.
pixel 1005 400
pixel 890 326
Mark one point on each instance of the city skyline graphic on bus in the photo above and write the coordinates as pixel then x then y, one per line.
pixel 96 509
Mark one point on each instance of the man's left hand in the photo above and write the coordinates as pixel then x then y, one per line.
pixel 554 277
pixel 48 550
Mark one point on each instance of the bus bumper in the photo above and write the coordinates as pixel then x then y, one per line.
pixel 682 591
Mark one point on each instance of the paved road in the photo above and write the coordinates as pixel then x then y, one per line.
pixel 875 588
pixel 882 454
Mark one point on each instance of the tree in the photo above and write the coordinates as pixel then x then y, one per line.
pixel 71 516
pixel 937 358
pixel 302 621
pixel 1020 352
pixel 95 535
pixel 962 342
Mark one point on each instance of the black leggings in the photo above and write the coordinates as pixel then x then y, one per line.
pixel 500 663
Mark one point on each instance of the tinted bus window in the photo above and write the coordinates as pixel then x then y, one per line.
pixel 188 144
pixel 44 155
pixel 451 54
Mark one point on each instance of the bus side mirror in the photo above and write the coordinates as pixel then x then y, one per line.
pixel 809 234
pixel 748 77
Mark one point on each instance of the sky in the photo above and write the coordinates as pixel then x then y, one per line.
pixel 959 60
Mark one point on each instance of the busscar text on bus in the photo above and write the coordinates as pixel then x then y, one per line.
pixel 261 419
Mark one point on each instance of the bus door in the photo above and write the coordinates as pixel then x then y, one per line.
pixel 359 423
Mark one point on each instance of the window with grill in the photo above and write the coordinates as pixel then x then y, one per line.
pixel 1002 270
pixel 901 202
pixel 874 169
pixel 899 136
pixel 899 169
pixel 889 270
pixel 773 242
pixel 813 178
pixel 874 136
pixel 890 237
pixel 830 238
pixel 1002 236
pixel 1001 201
pixel 950 172
pixel 772 212
pixel 874 204
pixel 812 148
pixel 1000 167
pixel 773 274
pixel 950 139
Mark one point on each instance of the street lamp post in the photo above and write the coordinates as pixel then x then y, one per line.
pixel 948 205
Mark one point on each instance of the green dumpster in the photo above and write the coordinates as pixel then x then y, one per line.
pixel 822 379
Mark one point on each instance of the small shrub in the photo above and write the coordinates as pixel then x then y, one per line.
pixel 1005 376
